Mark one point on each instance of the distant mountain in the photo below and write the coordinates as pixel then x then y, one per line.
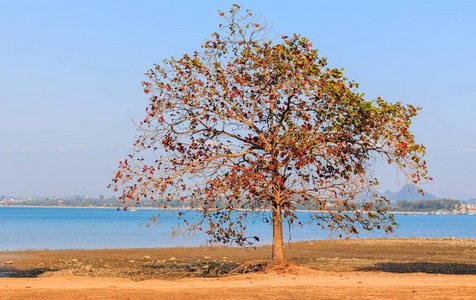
pixel 388 194
pixel 408 193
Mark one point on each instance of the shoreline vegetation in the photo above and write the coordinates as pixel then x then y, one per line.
pixel 167 208
pixel 322 269
pixel 442 206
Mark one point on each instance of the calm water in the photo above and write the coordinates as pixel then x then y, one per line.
pixel 80 228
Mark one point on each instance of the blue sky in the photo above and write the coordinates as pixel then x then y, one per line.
pixel 71 71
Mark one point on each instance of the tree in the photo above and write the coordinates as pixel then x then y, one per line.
pixel 247 124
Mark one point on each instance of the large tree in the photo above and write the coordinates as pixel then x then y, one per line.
pixel 249 124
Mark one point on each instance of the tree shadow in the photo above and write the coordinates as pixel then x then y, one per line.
pixel 29 273
pixel 195 269
pixel 424 267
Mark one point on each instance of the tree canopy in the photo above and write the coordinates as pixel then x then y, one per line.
pixel 248 123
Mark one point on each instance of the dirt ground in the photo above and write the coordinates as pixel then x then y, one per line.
pixel 328 269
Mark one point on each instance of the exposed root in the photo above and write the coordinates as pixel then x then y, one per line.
pixel 249 267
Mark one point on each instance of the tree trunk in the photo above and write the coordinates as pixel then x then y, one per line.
pixel 279 256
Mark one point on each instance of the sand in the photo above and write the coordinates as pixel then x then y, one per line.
pixel 336 269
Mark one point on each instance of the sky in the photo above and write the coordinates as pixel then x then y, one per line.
pixel 70 74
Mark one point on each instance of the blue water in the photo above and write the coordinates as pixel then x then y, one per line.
pixel 81 228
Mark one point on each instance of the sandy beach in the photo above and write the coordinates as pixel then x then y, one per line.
pixel 328 269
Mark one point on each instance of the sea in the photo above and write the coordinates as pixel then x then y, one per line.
pixel 23 228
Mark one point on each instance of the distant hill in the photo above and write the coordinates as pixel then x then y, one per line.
pixel 408 193
pixel 471 201
pixel 39 198
pixel 75 197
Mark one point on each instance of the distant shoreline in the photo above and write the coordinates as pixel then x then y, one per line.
pixel 175 208
pixel 94 207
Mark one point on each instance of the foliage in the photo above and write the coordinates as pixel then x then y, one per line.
pixel 428 205
pixel 256 124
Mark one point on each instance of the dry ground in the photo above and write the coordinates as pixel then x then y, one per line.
pixel 328 269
